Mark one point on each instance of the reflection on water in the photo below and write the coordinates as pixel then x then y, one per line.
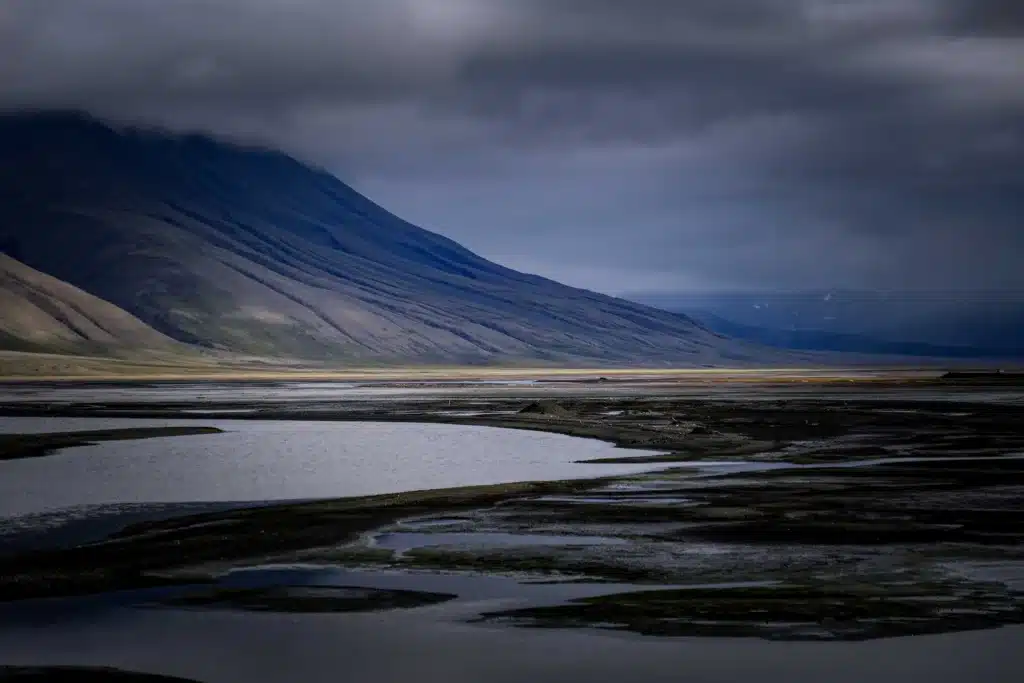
pixel 470 588
pixel 281 460
pixel 402 541
pixel 324 394
pixel 420 645
pixel 432 641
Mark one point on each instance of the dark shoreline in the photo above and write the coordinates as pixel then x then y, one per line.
pixel 19 446
pixel 80 674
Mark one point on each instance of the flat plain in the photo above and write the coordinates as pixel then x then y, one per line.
pixel 781 506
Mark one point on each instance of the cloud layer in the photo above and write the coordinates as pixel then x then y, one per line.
pixel 653 144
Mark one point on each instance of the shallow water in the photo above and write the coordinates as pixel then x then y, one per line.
pixel 470 588
pixel 407 540
pixel 213 393
pixel 433 642
pixel 281 460
pixel 227 643
pixel 321 395
pixel 709 468
pixel 422 645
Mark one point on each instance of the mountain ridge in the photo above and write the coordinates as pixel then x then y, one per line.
pixel 810 339
pixel 962 324
pixel 244 249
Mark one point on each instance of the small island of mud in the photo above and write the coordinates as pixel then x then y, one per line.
pixel 18 446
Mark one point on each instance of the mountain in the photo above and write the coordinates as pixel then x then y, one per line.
pixel 248 250
pixel 947 324
pixel 43 313
pixel 841 342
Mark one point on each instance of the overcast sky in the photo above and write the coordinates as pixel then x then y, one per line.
pixel 620 145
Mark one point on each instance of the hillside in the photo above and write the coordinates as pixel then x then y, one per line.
pixel 818 340
pixel 250 251
pixel 41 312
pixel 937 324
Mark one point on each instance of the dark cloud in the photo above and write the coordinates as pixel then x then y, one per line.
pixel 984 17
pixel 617 145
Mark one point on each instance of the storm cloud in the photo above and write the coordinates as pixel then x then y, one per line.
pixel 621 146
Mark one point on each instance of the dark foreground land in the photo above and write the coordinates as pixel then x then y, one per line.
pixel 71 674
pixel 18 446
pixel 834 517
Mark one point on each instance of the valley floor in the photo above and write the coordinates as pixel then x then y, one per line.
pixel 210 366
pixel 824 512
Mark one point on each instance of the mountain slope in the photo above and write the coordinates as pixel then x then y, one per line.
pixel 819 340
pixel 952 324
pixel 41 312
pixel 251 251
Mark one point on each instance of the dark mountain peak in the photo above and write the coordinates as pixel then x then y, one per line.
pixel 38 126
pixel 80 159
pixel 50 119
pixel 248 249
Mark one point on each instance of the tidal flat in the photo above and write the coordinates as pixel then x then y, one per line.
pixel 836 518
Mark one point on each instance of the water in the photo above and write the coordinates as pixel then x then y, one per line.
pixel 474 591
pixel 321 395
pixel 403 540
pixel 434 643
pixel 281 460
pixel 714 468
pixel 254 393
pixel 421 645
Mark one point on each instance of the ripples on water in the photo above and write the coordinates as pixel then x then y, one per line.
pixel 280 460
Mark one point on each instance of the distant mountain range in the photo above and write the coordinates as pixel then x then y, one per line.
pixel 121 238
pixel 982 325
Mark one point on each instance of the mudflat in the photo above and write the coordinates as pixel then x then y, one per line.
pixel 72 674
pixel 823 514
pixel 17 446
